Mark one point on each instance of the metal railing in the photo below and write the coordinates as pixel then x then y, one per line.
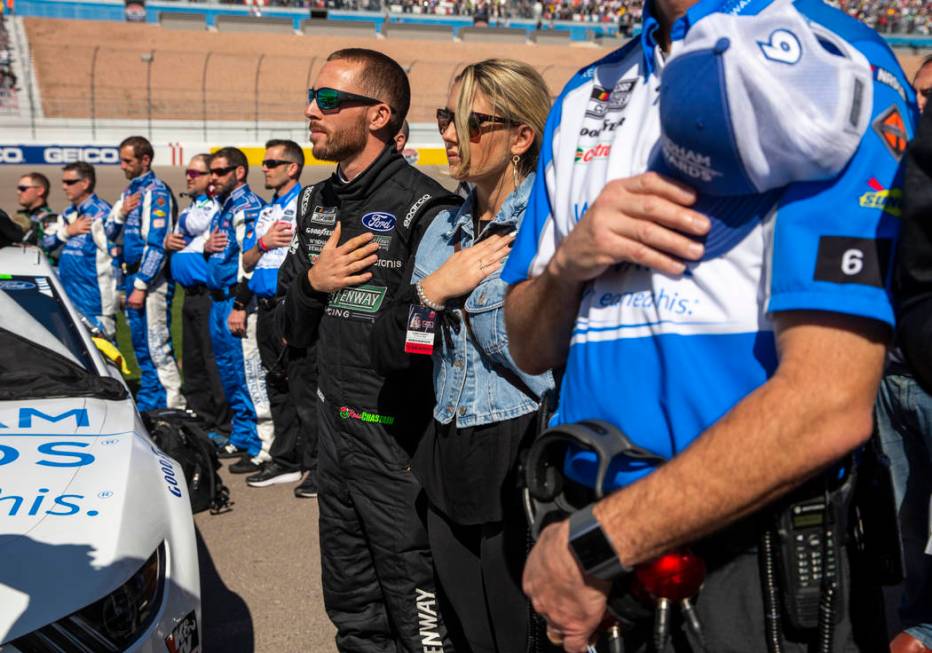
pixel 102 85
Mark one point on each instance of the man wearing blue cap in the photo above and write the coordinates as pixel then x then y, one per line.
pixel 707 251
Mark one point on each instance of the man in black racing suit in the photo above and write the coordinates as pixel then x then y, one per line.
pixel 357 235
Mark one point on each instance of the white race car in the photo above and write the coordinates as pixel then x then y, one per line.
pixel 97 545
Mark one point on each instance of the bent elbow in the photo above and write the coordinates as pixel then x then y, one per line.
pixel 526 360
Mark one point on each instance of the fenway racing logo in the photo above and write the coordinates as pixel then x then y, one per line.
pixel 366 299
pixel 428 623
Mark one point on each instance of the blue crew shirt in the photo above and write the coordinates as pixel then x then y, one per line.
pixel 237 219
pixel 664 358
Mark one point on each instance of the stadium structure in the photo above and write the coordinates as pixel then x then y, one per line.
pixel 76 76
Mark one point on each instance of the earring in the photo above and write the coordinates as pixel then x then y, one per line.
pixel 515 160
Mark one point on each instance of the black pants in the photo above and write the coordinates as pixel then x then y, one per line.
pixel 302 367
pixel 202 387
pixel 479 570
pixel 291 384
pixel 376 568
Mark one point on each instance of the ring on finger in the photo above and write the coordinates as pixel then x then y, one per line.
pixel 555 636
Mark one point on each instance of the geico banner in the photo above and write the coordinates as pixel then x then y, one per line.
pixel 58 154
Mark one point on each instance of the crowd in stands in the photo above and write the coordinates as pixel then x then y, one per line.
pixel 885 16
pixel 7 76
pixel 892 16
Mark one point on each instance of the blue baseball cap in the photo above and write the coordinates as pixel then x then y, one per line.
pixel 749 104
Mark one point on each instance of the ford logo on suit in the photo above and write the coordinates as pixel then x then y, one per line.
pixel 378 221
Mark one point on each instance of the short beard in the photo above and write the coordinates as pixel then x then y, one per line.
pixel 343 144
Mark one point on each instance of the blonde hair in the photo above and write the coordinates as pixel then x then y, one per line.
pixel 516 92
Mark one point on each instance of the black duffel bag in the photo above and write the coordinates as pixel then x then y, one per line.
pixel 181 435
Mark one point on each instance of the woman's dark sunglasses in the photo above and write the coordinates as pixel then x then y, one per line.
pixel 330 99
pixel 476 121
pixel 194 174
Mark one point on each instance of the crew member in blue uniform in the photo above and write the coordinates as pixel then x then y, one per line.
pixel 202 388
pixel 291 397
pixel 728 311
pixel 237 354
pixel 84 265
pixel 144 216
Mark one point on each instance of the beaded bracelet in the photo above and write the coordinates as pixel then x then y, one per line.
pixel 425 300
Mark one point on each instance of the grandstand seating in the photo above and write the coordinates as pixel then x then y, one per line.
pixel 419 32
pixel 254 24
pixel 324 27
pixel 183 21
pixel 246 77
pixel 493 35
pixel 217 74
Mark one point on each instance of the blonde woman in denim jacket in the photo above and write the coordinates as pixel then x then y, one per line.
pixel 485 407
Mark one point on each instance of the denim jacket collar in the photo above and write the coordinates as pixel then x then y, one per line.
pixel 509 214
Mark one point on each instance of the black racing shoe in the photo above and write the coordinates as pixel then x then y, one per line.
pixel 246 465
pixel 273 473
pixel 307 489
pixel 229 450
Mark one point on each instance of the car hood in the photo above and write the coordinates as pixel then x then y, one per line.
pixel 85 499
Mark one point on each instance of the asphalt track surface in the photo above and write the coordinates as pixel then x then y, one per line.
pixel 260 562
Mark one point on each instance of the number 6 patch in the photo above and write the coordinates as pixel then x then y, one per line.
pixel 853 260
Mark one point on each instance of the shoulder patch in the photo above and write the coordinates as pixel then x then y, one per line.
pixel 414 209
pixel 891 129
pixel 842 259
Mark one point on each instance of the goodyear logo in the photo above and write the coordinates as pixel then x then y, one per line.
pixel 365 299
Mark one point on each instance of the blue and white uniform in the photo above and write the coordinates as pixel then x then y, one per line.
pixel 238 358
pixel 264 279
pixel 144 230
pixel 188 266
pixel 85 265
pixel 663 357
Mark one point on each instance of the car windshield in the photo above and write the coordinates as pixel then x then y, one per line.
pixel 31 307
pixel 42 353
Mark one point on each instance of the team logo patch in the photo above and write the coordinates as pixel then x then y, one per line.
pixel 365 416
pixel 365 299
pixel 9 284
pixel 597 110
pixel 600 151
pixel 892 131
pixel 384 242
pixel 379 221
pixel 414 208
pixel 158 213
pixel 324 215
pixel 888 200
pixel 600 94
pixel 842 259
pixel 160 201
pixel 887 78
pixel 621 94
